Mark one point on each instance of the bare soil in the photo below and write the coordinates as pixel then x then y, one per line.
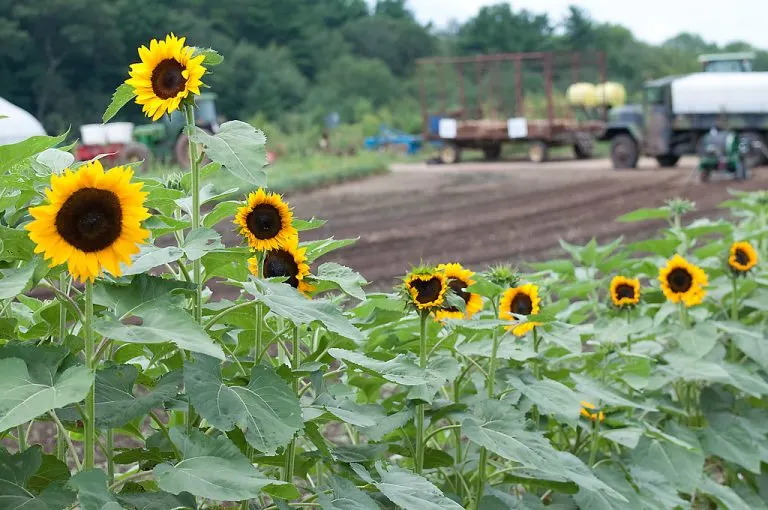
pixel 484 213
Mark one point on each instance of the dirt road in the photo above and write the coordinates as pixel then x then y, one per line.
pixel 482 213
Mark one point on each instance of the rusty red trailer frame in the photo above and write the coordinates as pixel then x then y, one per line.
pixel 474 130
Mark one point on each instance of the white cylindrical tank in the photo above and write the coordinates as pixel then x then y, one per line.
pixel 18 124
pixel 714 93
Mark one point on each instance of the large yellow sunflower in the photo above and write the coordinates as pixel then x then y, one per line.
pixel 166 75
pixel 92 221
pixel 289 261
pixel 522 300
pixel 458 280
pixel 742 257
pixel 266 221
pixel 625 291
pixel 587 411
pixel 683 281
pixel 427 289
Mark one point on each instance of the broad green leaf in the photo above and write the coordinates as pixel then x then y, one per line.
pixel 51 470
pixel 661 247
pixel 14 153
pixel 23 485
pixel 699 340
pixel 55 160
pixel 310 224
pixel 509 347
pixel 551 397
pixel 214 468
pixel 116 403
pixel 348 411
pixel 733 438
pixel 239 147
pixel 221 211
pixel 750 340
pixel 267 410
pixel 201 241
pixel 160 323
pixel 212 57
pixel 341 277
pixel 27 391
pixel 92 491
pixel 723 494
pixel 655 490
pixel 387 425
pixel 15 243
pixel 682 467
pixel 287 302
pixel 122 96
pixel 149 257
pixel 122 298
pixel 402 369
pixel 316 249
pixel 15 281
pixel 614 478
pixel 157 500
pixel 597 392
pixel 359 452
pixel 628 436
pixel 690 368
pixel 411 491
pixel 644 214
pixel 345 496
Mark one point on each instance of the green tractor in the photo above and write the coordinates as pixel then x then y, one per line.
pixel 724 151
pixel 166 138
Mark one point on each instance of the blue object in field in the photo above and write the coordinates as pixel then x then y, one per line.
pixel 388 136
pixel 434 124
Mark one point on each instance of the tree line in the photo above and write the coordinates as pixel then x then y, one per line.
pixel 292 61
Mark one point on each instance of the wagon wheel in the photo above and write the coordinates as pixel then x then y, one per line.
pixel 133 153
pixel 538 151
pixel 450 153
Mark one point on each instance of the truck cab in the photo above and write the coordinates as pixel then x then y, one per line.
pixel 727 62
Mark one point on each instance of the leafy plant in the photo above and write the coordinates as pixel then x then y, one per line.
pixel 563 390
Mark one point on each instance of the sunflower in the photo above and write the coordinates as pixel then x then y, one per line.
pixel 625 291
pixel 458 280
pixel 743 257
pixel 427 289
pixel 166 75
pixel 92 220
pixel 586 412
pixel 683 281
pixel 266 221
pixel 289 261
pixel 523 300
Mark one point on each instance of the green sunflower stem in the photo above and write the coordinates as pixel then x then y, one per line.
pixel 419 460
pixel 290 454
pixel 259 330
pixel 595 441
pixel 733 353
pixel 61 442
pixel 90 400
pixel 536 374
pixel 684 316
pixel 480 488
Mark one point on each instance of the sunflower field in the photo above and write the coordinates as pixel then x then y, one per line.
pixel 179 373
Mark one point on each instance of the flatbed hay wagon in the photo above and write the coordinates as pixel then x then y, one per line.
pixel 484 101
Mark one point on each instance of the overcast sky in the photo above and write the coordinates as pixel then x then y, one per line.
pixel 650 20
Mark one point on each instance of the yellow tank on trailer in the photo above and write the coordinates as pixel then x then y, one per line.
pixel 610 94
pixel 581 94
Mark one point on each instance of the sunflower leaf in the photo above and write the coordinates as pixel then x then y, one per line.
pixel 122 96
pixel 16 153
pixel 15 281
pixel 93 492
pixel 21 482
pixel 335 275
pixel 212 57
pixel 411 491
pixel 239 147
pixel 644 214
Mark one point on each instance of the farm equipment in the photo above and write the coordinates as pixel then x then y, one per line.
pixel 512 99
pixel 389 139
pixel 678 111
pixel 724 151
pixel 122 142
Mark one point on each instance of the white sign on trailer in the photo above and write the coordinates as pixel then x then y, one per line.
pixel 517 127
pixel 447 128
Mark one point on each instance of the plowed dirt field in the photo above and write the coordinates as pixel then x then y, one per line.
pixel 481 213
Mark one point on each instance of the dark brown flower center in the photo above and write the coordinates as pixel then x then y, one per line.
pixel 741 257
pixel 167 80
pixel 427 291
pixel 521 304
pixel 680 280
pixel 625 291
pixel 264 221
pixel 280 263
pixel 458 286
pixel 90 219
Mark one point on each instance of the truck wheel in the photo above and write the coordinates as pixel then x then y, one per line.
pixel 667 160
pixel 755 156
pixel 584 146
pixel 450 153
pixel 135 152
pixel 492 152
pixel 624 152
pixel 538 151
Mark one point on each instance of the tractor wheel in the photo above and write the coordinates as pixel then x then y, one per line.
pixel 624 152
pixel 667 160
pixel 584 146
pixel 755 156
pixel 450 153
pixel 181 151
pixel 538 151
pixel 492 152
pixel 135 152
